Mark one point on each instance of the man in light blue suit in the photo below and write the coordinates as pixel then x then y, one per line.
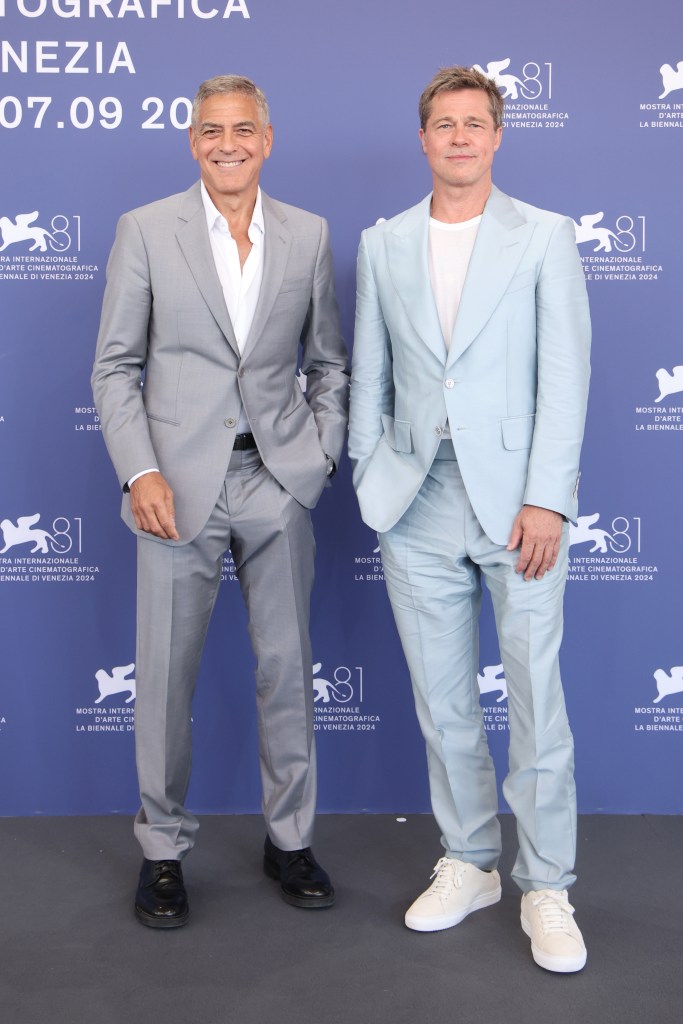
pixel 468 400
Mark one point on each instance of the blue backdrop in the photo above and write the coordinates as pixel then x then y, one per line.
pixel 94 105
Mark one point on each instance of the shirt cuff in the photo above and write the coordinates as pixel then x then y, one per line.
pixel 137 476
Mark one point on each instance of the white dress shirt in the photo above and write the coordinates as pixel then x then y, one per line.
pixel 241 285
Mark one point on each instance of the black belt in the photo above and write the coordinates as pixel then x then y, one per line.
pixel 243 442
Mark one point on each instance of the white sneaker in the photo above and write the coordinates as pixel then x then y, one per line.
pixel 458 889
pixel 556 942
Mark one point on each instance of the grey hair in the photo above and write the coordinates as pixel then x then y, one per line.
pixel 224 85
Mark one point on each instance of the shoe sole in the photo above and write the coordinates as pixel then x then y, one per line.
pixel 557 964
pixel 310 903
pixel 314 903
pixel 438 924
pixel 161 922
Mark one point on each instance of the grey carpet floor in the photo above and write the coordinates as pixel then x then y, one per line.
pixel 71 951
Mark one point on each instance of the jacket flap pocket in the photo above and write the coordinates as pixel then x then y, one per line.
pixel 397 433
pixel 162 419
pixel 518 431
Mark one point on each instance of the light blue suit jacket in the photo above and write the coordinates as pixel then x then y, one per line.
pixel 513 384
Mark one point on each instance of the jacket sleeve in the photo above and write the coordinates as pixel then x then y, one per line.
pixel 324 359
pixel 121 353
pixel 563 333
pixel 372 380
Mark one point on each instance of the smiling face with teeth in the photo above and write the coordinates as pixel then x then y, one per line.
pixel 230 143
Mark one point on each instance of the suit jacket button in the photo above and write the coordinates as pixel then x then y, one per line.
pixel 449 383
pixel 230 422
pixel 438 431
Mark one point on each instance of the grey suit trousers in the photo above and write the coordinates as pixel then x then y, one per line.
pixel 271 539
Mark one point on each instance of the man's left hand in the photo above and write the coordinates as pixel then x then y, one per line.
pixel 538 531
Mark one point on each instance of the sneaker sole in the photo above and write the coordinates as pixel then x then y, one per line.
pixel 438 924
pixel 558 964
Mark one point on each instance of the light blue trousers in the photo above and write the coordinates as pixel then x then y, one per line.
pixel 434 559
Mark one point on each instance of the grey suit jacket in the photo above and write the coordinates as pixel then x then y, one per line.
pixel 169 380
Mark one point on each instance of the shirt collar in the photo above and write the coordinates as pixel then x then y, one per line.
pixel 216 219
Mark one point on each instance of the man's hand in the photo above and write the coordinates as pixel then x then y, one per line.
pixel 539 531
pixel 151 502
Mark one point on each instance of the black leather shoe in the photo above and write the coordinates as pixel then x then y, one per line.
pixel 161 900
pixel 302 881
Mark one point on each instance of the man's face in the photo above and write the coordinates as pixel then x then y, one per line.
pixel 230 143
pixel 459 139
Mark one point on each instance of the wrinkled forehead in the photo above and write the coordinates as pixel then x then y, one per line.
pixel 230 108
pixel 463 101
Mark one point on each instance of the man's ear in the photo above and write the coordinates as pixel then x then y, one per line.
pixel 191 137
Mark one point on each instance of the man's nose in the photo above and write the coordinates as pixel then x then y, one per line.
pixel 227 142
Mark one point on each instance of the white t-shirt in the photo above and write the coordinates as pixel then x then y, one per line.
pixel 450 249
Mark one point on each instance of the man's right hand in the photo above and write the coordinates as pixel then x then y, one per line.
pixel 151 502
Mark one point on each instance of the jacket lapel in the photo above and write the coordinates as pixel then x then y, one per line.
pixel 193 239
pixel 408 262
pixel 276 247
pixel 502 239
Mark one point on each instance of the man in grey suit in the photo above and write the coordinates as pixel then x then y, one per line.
pixel 214 298
pixel 468 400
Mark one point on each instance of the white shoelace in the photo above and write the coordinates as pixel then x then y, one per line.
pixel 554 912
pixel 447 875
